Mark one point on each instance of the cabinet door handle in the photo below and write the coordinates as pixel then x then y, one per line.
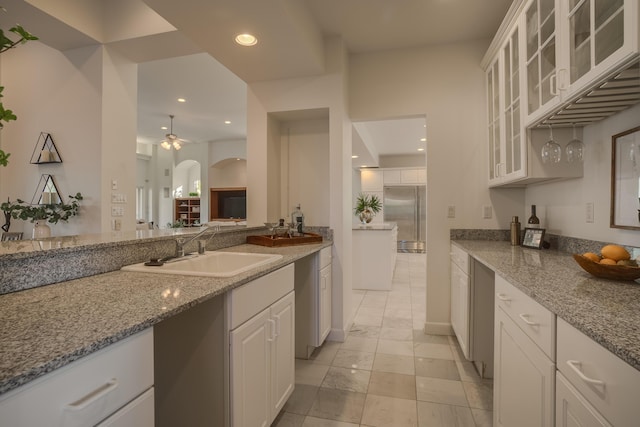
pixel 575 365
pixel 277 322
pixel 94 395
pixel 525 319
pixel 272 330
pixel 503 297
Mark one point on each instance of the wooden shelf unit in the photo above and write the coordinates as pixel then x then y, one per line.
pixel 187 209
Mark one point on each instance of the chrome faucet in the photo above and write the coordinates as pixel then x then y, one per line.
pixel 181 242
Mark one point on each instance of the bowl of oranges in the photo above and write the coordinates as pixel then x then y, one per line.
pixel 614 262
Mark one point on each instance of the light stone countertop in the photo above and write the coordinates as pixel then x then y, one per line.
pixel 48 327
pixel 374 227
pixel 607 311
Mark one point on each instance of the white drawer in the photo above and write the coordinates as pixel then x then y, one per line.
pixel 86 391
pixel 606 381
pixel 139 413
pixel 325 257
pixel 246 301
pixel 460 258
pixel 535 320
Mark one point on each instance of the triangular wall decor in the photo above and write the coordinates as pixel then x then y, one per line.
pixel 45 150
pixel 46 192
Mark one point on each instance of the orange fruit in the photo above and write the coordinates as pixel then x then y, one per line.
pixel 593 257
pixel 614 252
pixel 608 261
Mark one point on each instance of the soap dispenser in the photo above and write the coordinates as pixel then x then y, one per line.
pixel 297 218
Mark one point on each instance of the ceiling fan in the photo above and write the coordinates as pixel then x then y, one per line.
pixel 171 139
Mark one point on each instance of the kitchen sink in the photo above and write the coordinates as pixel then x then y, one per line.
pixel 210 264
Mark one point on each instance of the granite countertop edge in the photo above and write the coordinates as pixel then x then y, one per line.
pixel 607 311
pixel 49 327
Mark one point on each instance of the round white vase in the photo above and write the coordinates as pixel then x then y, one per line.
pixel 41 230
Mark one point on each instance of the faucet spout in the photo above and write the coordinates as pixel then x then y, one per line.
pixel 181 242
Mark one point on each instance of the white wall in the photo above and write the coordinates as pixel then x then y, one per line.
pixel 228 173
pixel 564 202
pixel 446 84
pixel 59 93
pixel 305 152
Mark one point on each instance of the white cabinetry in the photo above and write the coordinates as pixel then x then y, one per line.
pixel 604 386
pixel 524 370
pixel 261 347
pixel 313 301
pixel 374 253
pixel 115 382
pixel 460 298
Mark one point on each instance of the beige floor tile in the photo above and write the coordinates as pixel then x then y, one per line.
pixel 286 419
pixel 441 391
pixel 320 422
pixel 437 368
pixel 403 348
pixel 340 405
pixel 301 399
pixel 365 331
pixel 394 363
pixel 439 415
pixel 396 322
pixel 347 379
pixel 383 411
pixel 397 334
pixel 367 319
pixel 392 385
pixel 354 359
pixel 401 313
pixel 468 372
pixel 479 395
pixel 482 417
pixel 325 353
pixel 433 351
pixel 310 373
pixel 360 344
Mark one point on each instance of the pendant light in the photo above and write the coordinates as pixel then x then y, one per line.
pixel 172 139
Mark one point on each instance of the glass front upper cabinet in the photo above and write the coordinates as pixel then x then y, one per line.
pixel 513 147
pixel 540 49
pixel 493 120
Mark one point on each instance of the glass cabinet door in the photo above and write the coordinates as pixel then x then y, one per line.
pixel 493 119
pixel 596 30
pixel 513 145
pixel 541 53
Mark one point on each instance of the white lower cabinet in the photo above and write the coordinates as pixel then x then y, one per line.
pixel 324 304
pixel 460 287
pixel 113 385
pixel 524 374
pixel 604 384
pixel 572 409
pixel 262 348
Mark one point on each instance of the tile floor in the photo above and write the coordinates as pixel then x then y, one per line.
pixel 387 373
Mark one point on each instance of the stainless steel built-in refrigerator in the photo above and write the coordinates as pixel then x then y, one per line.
pixel 407 206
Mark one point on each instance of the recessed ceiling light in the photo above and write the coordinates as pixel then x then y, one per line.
pixel 246 39
pixel 182 100
pixel 420 149
pixel 364 166
pixel 164 128
pixel 354 157
pixel 423 139
pixel 227 122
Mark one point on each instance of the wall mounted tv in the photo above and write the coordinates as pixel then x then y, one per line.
pixel 228 203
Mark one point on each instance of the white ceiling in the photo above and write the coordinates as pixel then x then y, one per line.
pixel 290 33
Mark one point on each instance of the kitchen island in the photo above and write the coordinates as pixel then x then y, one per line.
pixel 374 255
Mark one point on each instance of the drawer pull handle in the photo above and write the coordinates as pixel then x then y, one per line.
pixel 503 297
pixel 96 394
pixel 575 365
pixel 525 319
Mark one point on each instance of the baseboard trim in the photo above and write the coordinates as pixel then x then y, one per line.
pixel 435 328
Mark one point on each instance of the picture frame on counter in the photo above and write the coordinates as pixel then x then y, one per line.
pixel 625 180
pixel 533 238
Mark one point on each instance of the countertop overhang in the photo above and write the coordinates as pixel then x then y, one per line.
pixel 607 311
pixel 48 327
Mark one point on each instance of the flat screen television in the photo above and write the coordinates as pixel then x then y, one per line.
pixel 232 204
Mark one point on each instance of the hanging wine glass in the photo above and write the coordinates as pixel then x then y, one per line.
pixel 551 150
pixel 574 148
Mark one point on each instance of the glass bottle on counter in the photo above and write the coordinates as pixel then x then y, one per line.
pixel 297 218
pixel 533 221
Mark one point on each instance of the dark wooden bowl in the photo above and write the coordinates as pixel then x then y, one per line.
pixel 612 272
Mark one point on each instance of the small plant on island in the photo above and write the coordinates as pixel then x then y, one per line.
pixel 367 206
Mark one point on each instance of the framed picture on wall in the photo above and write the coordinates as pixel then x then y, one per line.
pixel 533 238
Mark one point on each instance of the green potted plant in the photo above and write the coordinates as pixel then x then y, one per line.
pixel 367 206
pixel 41 214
